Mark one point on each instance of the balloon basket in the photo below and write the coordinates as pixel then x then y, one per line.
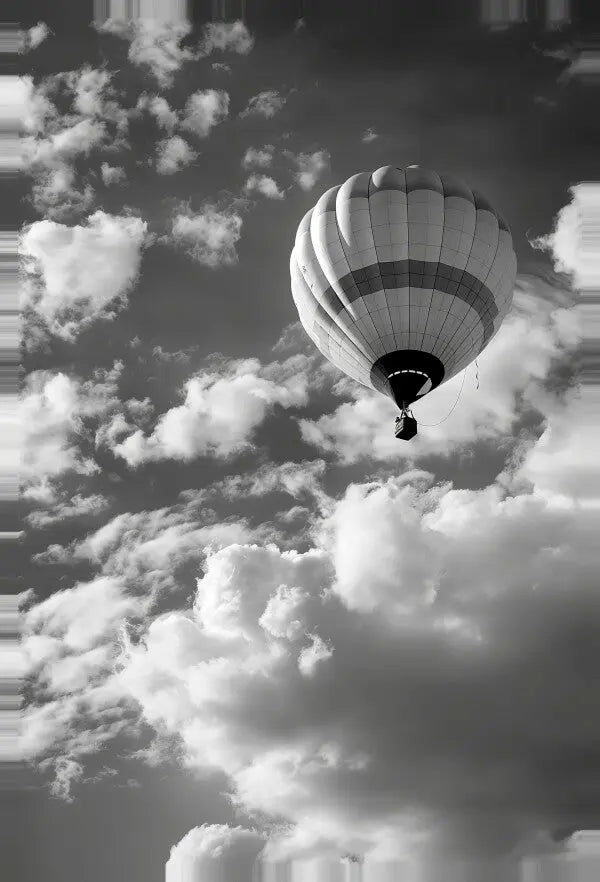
pixel 405 428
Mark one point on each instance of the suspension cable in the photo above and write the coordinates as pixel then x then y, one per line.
pixel 432 425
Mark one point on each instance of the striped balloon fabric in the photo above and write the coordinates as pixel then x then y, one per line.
pixel 402 277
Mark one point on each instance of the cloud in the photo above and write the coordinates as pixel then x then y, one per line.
pixel 36 35
pixel 573 242
pixel 77 275
pixel 55 410
pixel 154 45
pixel 56 141
pixel 226 37
pixel 369 135
pixel 220 412
pixel 82 616
pixel 452 597
pixel 77 507
pixel 214 852
pixel 56 194
pixel 173 154
pixel 264 185
pixel 540 331
pixel 302 479
pixel 77 704
pixel 310 167
pixel 159 108
pixel 75 140
pixel 210 236
pixel 266 104
pixel 262 157
pixel 112 174
pixel 204 110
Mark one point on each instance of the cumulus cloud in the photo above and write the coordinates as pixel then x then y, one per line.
pixel 76 275
pixel 261 157
pixel 155 45
pixel 453 597
pixel 226 37
pixel 214 852
pixel 209 236
pixel 540 331
pixel 173 154
pixel 77 703
pixel 266 104
pixel 55 410
pixel 264 185
pixel 54 141
pixel 35 36
pixel 310 167
pixel 220 412
pixel 112 174
pixel 159 108
pixel 573 243
pixel 204 110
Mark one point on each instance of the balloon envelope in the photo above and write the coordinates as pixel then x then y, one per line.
pixel 402 277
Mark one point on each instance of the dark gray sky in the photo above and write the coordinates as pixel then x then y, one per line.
pixel 434 89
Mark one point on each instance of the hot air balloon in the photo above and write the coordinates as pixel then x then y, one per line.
pixel 401 278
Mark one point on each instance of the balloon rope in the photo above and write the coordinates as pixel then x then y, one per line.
pixel 431 425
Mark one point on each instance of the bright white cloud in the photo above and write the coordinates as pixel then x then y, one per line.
pixel 173 154
pixel 155 45
pixel 451 590
pixel 266 104
pixel 221 410
pixel 226 37
pixel 369 135
pixel 215 852
pixel 75 140
pixel 55 141
pixel 261 157
pixel 210 236
pixel 512 373
pixel 54 412
pixel 574 242
pixel 82 616
pixel 264 185
pixel 76 275
pixel 159 108
pixel 310 167
pixel 204 110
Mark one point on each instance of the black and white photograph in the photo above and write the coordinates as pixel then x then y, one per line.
pixel 300 476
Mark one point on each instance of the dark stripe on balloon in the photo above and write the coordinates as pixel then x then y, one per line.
pixel 419 274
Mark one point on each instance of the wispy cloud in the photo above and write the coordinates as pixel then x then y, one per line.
pixel 310 167
pixel 266 104
pixel 204 110
pixel 260 157
pixel 209 236
pixel 264 185
pixel 173 154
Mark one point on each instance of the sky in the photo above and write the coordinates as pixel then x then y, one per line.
pixel 251 618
